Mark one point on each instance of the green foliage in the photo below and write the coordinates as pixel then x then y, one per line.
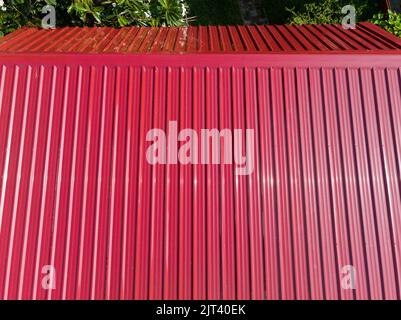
pixel 114 13
pixel 316 11
pixel 86 10
pixel 391 22
pixel 167 12
pixel 17 13
pixel 326 11
pixel 119 13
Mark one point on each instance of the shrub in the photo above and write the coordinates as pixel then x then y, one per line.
pixel 17 13
pixel 315 13
pixel 327 11
pixel 391 22
pixel 119 13
pixel 114 13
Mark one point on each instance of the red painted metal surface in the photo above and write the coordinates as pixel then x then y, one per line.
pixel 77 193
pixel 222 39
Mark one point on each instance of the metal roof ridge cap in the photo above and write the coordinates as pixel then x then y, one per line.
pixel 394 51
pixel 319 60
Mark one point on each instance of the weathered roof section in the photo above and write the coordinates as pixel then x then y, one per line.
pixel 212 39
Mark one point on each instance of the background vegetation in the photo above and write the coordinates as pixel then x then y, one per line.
pixel 116 13
pixel 317 11
pixel 391 22
pixel 215 12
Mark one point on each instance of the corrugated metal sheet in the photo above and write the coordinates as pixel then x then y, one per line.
pixel 77 193
pixel 222 39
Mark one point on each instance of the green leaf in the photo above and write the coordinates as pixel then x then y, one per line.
pixel 122 21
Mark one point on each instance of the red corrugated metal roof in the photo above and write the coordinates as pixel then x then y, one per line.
pixel 222 39
pixel 77 192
